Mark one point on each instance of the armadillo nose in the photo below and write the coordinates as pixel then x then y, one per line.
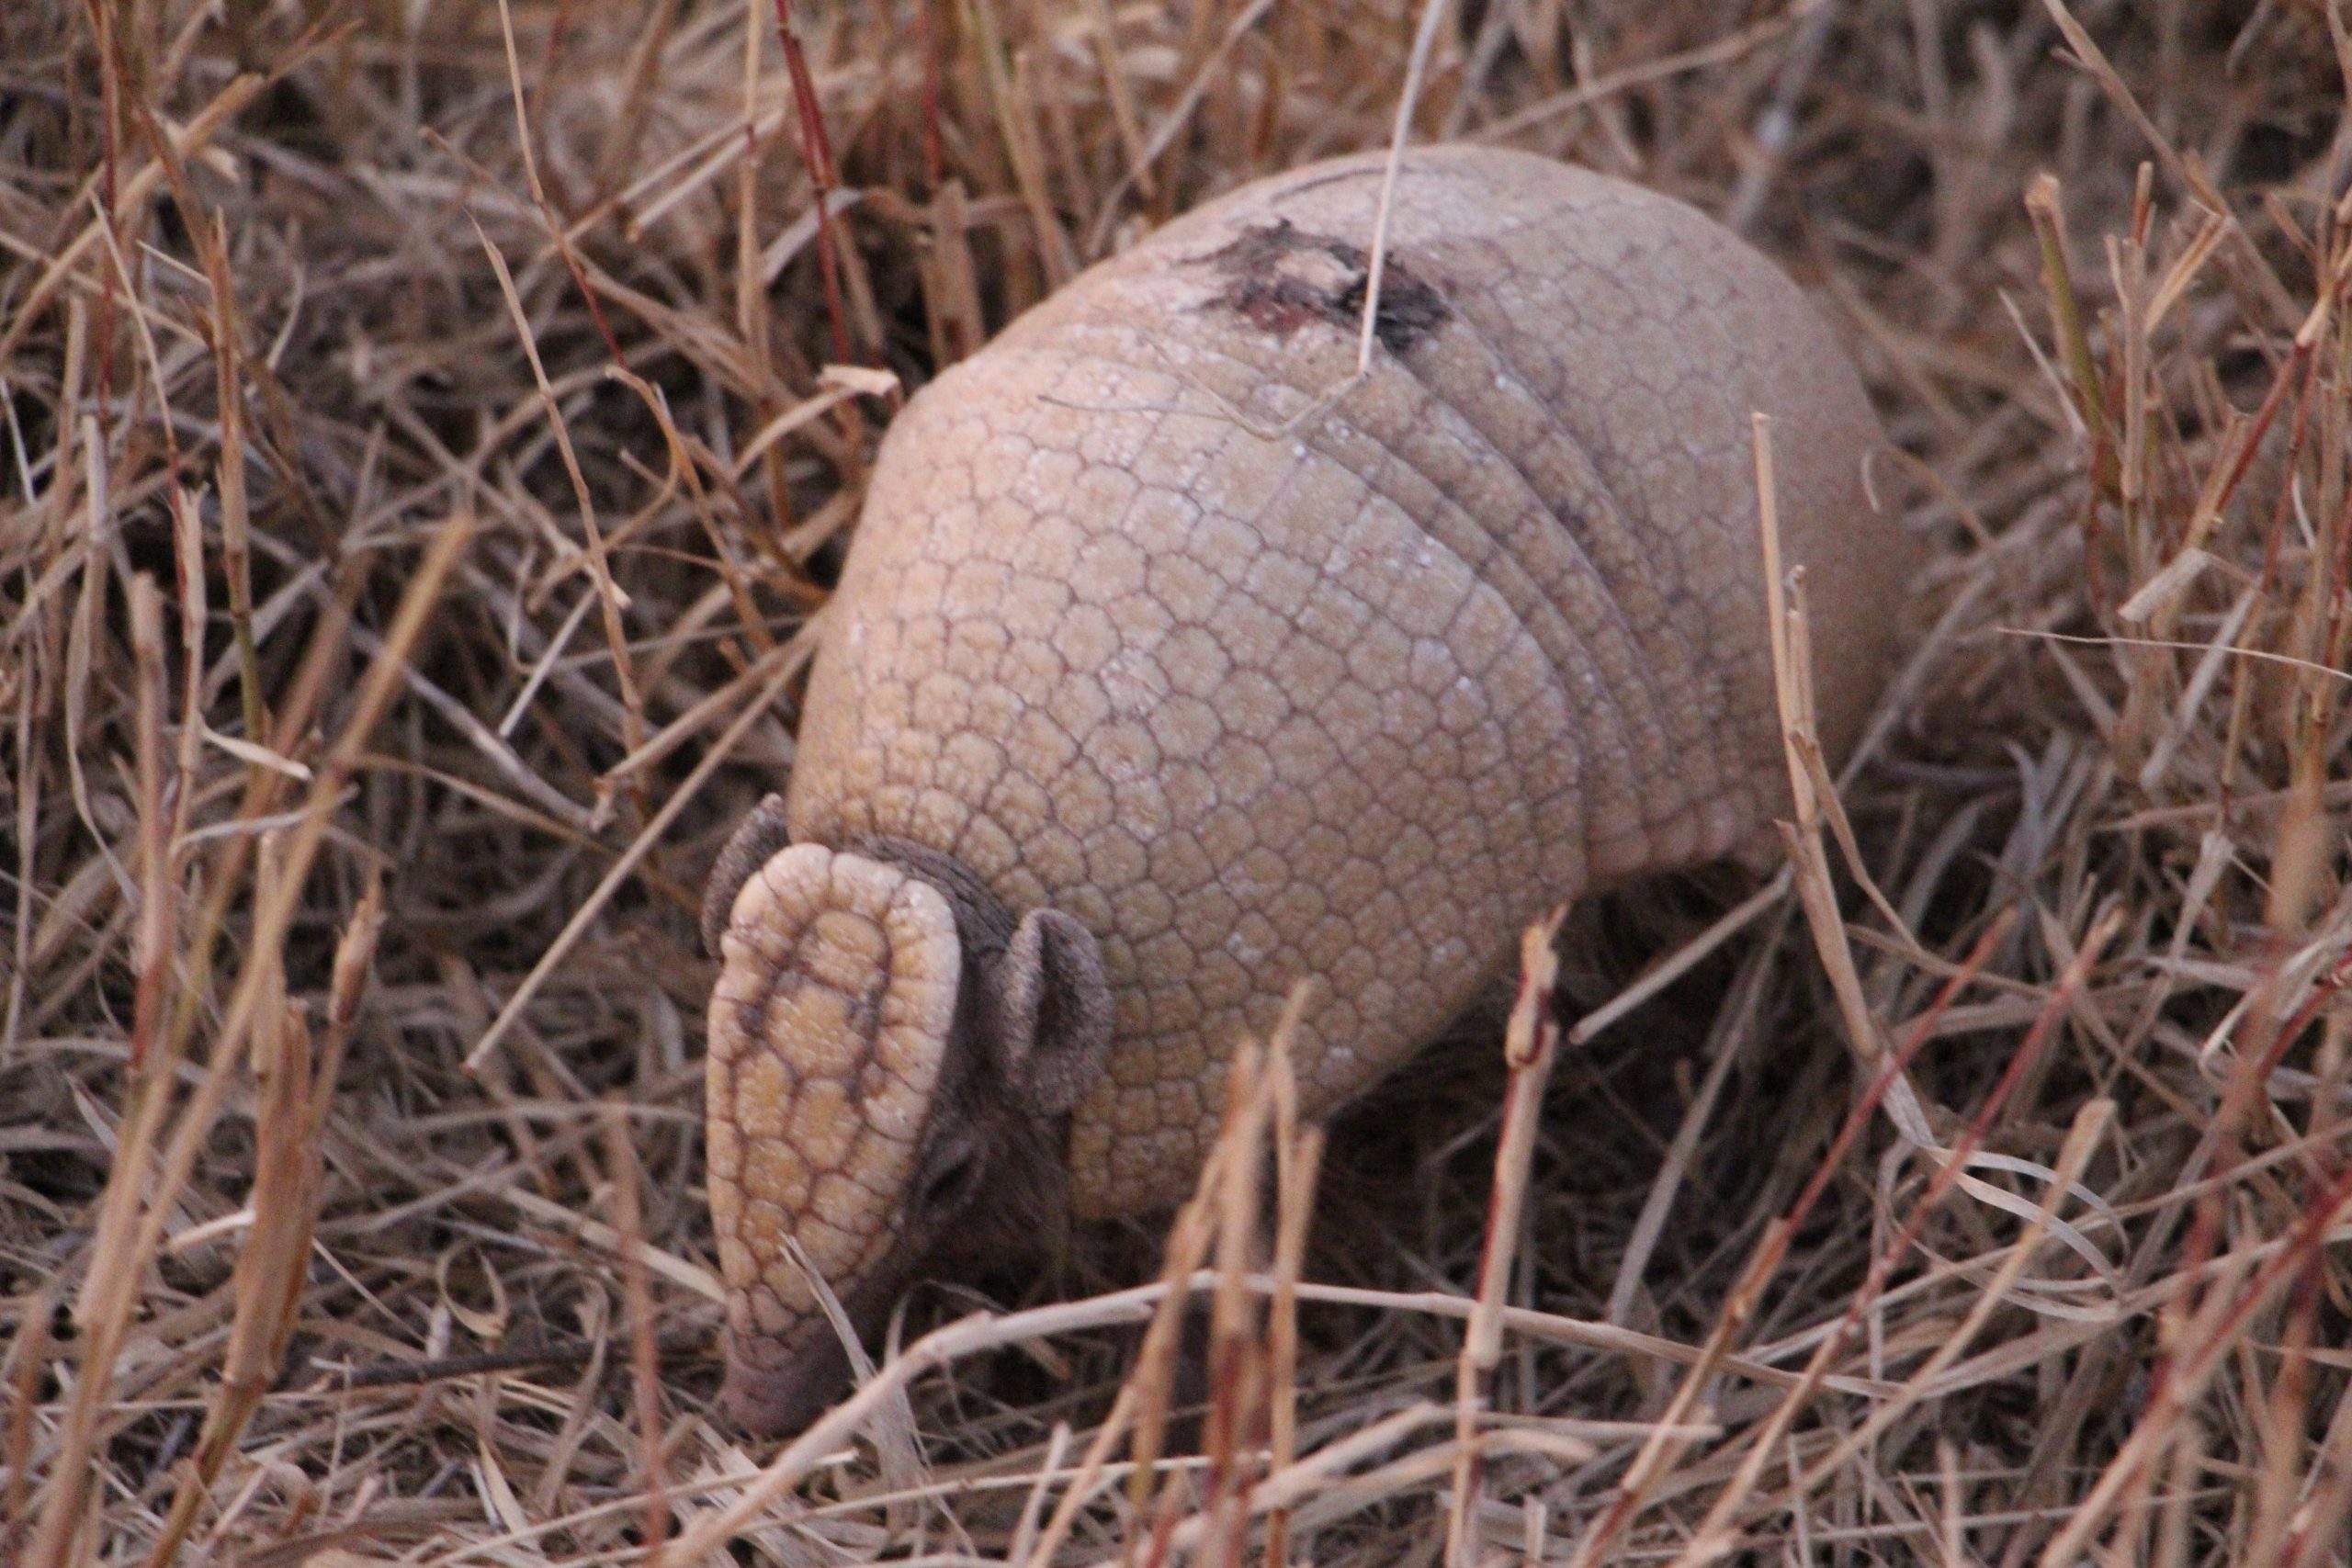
pixel 778 1395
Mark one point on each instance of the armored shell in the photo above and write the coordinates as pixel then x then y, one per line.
pixel 1351 701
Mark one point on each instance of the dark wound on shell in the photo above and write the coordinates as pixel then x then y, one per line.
pixel 1283 277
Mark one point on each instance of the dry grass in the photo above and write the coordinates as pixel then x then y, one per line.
pixel 410 498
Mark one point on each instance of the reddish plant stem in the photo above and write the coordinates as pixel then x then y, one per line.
pixel 817 151
pixel 934 138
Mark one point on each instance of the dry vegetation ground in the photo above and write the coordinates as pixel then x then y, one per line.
pixel 409 500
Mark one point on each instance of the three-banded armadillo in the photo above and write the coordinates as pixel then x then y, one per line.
pixel 1134 709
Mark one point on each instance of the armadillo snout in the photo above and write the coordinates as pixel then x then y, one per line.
pixel 777 1387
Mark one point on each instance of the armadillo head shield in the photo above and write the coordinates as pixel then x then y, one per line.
pixel 873 1066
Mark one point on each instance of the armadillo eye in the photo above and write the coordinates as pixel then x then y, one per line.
pixel 951 1179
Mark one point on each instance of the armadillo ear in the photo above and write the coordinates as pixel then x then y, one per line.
pixel 1056 1005
pixel 758 837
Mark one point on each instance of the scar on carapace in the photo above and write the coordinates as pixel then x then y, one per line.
pixel 1283 277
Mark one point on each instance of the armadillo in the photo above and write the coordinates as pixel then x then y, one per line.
pixel 1159 678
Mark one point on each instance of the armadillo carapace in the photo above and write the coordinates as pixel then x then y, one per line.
pixel 1137 705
